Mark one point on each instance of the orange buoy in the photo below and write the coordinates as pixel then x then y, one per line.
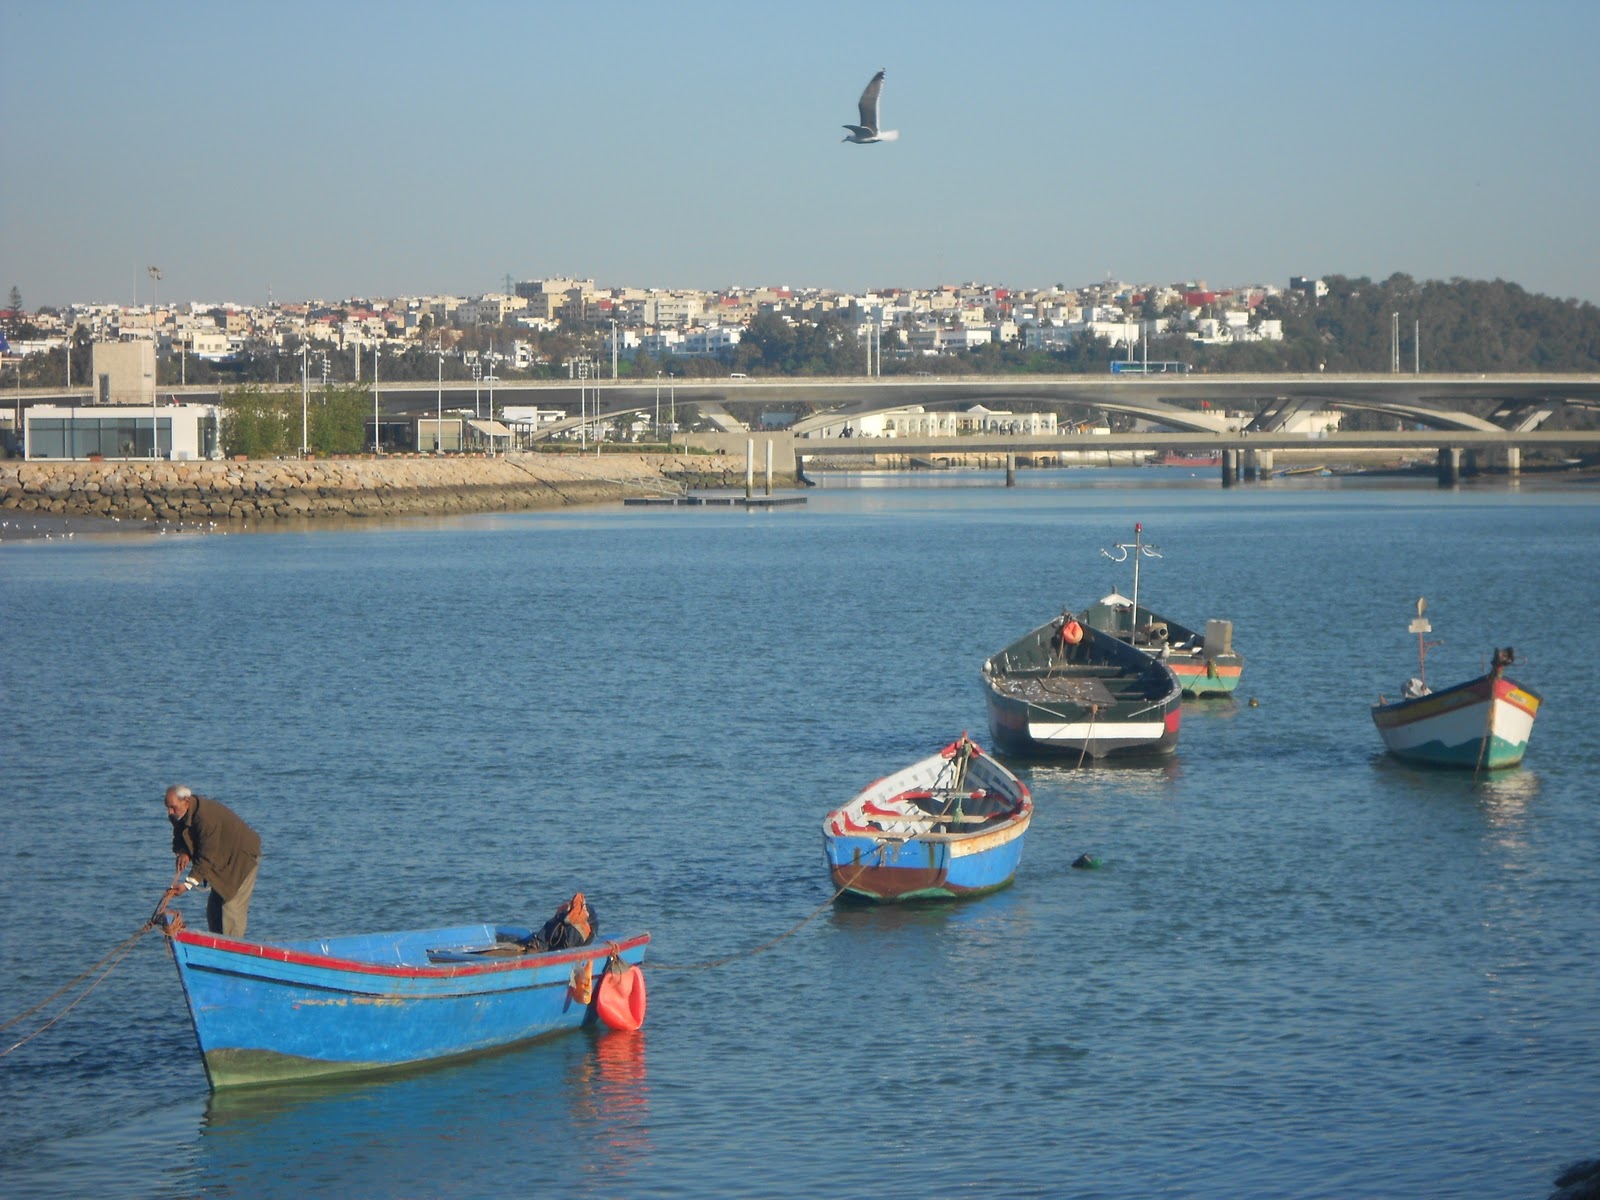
pixel 621 1001
pixel 1071 633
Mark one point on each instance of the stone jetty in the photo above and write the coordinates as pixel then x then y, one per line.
pixel 267 490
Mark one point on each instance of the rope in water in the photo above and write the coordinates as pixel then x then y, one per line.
pixel 770 942
pixel 116 955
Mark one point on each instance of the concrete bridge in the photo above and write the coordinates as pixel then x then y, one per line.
pixel 1248 455
pixel 1191 405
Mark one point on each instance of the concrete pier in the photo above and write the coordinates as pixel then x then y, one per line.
pixel 1449 466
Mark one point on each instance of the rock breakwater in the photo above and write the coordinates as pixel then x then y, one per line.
pixel 278 489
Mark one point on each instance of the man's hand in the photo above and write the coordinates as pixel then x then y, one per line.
pixel 183 862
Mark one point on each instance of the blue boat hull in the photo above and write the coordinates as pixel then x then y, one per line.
pixel 268 1012
pixel 918 870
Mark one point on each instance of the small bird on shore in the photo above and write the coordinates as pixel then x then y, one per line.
pixel 868 130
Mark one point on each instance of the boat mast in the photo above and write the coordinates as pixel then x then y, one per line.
pixel 1138 546
pixel 1139 551
pixel 1419 626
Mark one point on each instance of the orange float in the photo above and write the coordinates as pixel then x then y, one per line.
pixel 621 1000
pixel 1072 633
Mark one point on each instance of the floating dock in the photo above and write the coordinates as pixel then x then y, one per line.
pixel 692 501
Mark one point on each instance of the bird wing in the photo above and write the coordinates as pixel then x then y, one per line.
pixel 869 102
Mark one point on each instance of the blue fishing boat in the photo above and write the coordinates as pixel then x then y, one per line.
pixel 946 827
pixel 266 1012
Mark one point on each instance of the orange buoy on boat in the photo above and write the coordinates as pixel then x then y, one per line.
pixel 621 1000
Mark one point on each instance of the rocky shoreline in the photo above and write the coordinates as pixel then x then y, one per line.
pixel 285 489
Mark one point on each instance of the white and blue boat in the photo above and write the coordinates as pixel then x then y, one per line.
pixel 948 826
pixel 1481 725
pixel 266 1012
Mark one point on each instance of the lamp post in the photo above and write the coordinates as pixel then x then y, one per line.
pixel 656 428
pixel 477 373
pixel 491 379
pixel 376 440
pixel 583 413
pixel 155 425
pixel 438 425
pixel 305 395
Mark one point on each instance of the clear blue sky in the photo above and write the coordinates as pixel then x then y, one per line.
pixel 333 149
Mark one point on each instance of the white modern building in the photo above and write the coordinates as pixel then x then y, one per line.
pixel 114 431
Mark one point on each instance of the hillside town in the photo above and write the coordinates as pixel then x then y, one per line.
pixel 676 324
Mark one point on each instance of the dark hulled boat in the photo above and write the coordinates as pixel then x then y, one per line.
pixel 1067 689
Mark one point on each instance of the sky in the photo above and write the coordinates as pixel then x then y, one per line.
pixel 295 151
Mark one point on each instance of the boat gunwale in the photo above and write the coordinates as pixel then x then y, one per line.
pixel 268 952
pixel 1482 689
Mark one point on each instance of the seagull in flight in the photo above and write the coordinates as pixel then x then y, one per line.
pixel 868 130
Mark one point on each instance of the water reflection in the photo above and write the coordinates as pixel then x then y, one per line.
pixel 575 1105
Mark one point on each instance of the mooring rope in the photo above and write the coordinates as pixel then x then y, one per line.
pixel 771 942
pixel 116 955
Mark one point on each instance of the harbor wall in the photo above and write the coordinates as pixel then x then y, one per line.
pixel 277 489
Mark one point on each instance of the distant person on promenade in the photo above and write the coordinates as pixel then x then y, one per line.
pixel 218 850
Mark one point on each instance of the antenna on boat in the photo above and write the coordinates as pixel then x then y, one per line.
pixel 1420 626
pixel 1139 549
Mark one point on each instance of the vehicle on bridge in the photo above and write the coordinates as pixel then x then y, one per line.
pixel 1120 366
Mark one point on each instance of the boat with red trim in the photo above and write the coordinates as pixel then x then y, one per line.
pixel 267 1012
pixel 1069 690
pixel 1205 664
pixel 949 826
pixel 1482 724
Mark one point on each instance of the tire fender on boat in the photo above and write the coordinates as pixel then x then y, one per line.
pixel 620 1002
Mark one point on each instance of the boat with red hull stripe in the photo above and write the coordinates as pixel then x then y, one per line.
pixel 266 1012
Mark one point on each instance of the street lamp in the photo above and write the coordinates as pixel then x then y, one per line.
pixel 305 395
pixel 477 372
pixel 656 428
pixel 155 426
pixel 438 425
pixel 491 379
pixel 583 413
pixel 376 441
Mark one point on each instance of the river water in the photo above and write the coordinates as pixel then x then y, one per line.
pixel 1303 969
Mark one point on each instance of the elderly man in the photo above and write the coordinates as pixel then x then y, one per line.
pixel 218 850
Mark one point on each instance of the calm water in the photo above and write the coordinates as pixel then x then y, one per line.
pixel 1304 970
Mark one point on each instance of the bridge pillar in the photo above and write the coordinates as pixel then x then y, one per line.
pixel 1011 470
pixel 1513 461
pixel 1449 466
pixel 1230 467
pixel 1257 464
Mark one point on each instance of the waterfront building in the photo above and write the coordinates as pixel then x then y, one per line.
pixel 121 431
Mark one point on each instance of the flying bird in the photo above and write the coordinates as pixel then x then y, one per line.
pixel 868 130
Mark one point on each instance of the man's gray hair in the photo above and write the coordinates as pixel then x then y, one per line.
pixel 181 792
